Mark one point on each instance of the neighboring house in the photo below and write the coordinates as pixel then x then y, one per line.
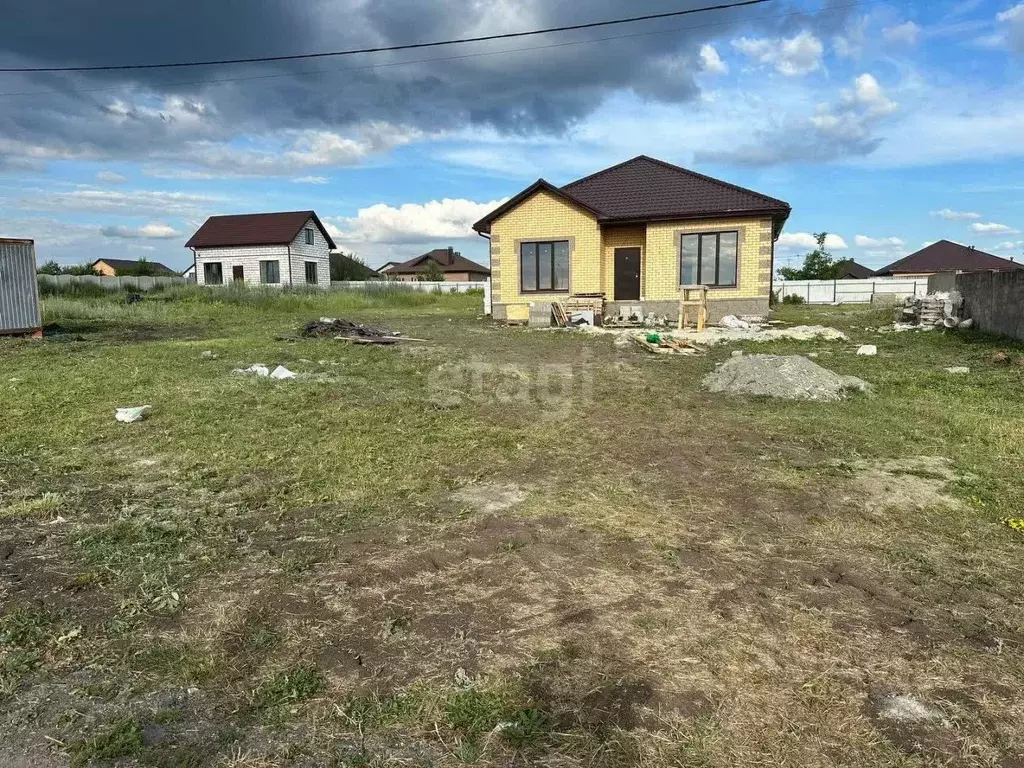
pixel 851 270
pixel 455 266
pixel 290 248
pixel 115 267
pixel 386 267
pixel 946 256
pixel 636 233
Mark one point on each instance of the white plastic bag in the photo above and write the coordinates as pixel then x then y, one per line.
pixel 131 414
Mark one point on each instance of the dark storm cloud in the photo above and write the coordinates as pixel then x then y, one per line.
pixel 150 115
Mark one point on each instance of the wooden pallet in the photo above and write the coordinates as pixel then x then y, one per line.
pixel 561 318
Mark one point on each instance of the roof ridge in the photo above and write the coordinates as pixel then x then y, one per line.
pixel 595 174
pixel 264 213
pixel 680 169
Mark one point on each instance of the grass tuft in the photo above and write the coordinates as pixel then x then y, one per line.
pixel 124 739
pixel 289 687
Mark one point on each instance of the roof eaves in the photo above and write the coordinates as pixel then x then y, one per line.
pixel 689 215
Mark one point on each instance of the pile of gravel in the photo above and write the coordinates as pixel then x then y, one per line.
pixel 791 377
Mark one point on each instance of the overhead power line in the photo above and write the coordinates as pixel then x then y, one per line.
pixel 456 57
pixel 387 48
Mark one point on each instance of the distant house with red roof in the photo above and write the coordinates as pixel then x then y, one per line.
pixel 946 256
pixel 454 266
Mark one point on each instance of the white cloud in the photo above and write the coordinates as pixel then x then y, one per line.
pixel 128 203
pixel 109 177
pixel 906 33
pixel 993 228
pixel 793 56
pixel 851 121
pixel 1012 21
pixel 795 240
pixel 1009 245
pixel 878 243
pixel 288 153
pixel 173 109
pixel 711 62
pixel 311 180
pixel 851 42
pixel 868 94
pixel 950 215
pixel 153 230
pixel 446 219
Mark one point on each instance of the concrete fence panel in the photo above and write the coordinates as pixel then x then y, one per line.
pixel 850 291
pixel 112 283
pixel 995 301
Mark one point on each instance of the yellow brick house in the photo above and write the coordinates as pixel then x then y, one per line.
pixel 633 233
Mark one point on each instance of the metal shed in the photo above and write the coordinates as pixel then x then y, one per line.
pixel 19 291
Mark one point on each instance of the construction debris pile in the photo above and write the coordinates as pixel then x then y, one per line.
pixel 345 330
pixel 936 310
pixel 790 377
pixel 666 345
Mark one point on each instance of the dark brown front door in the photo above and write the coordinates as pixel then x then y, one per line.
pixel 238 273
pixel 627 274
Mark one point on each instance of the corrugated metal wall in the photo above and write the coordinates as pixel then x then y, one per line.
pixel 19 293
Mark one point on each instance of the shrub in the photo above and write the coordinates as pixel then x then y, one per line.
pixel 793 299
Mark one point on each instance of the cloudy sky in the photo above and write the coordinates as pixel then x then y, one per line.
pixel 889 124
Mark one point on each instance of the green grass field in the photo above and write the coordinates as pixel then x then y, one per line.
pixel 499 546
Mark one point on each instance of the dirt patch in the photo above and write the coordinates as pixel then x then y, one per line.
pixel 915 482
pixel 789 377
pixel 490 498
pixel 581 684
pixel 383 611
pixel 911 725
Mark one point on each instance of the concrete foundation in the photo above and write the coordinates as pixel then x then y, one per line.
pixel 540 312
pixel 717 308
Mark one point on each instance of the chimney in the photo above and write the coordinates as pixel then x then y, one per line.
pixel 451 255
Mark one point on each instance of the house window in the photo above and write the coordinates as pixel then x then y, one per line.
pixel 270 272
pixel 708 258
pixel 311 272
pixel 544 266
pixel 213 273
pixel 309 237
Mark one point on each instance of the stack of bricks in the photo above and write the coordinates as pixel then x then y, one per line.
pixel 932 310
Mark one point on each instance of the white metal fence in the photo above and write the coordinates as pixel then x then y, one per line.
pixel 112 283
pixel 851 291
pixel 441 286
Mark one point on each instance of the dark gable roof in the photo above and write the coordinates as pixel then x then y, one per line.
pixel 254 229
pixel 850 268
pixel 645 189
pixel 946 256
pixel 449 259
pixel 119 264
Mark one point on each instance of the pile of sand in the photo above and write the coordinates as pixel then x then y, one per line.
pixel 790 377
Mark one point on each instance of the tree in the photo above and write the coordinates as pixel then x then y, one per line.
pixel 144 268
pixel 349 266
pixel 80 269
pixel 818 264
pixel 50 268
pixel 432 272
